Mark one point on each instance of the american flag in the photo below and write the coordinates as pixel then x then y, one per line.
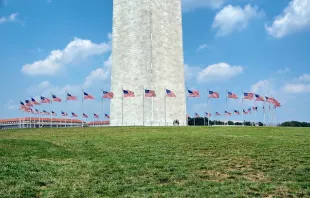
pixel 197 115
pixel 193 93
pixel 85 116
pixel 64 114
pixel 74 115
pixel 37 111
pixel 208 114
pixel 70 97
pixel 259 98
pixel 45 100
pixel 244 112
pixel 249 110
pixel 107 116
pixel 46 113
pixel 254 108
pixel 149 93
pixel 217 114
pixel 248 96
pixel 232 95
pixel 107 94
pixel 88 96
pixel 227 113
pixel 213 94
pixel 170 93
pixel 34 102
pixel 128 93
pixel 53 113
pixel 28 103
pixel 96 116
pixel 236 112
pixel 22 106
pixel 55 98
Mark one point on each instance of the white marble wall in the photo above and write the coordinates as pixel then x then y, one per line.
pixel 140 61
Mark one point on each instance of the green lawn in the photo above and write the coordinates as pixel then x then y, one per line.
pixel 155 162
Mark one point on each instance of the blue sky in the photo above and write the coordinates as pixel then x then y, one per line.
pixel 259 46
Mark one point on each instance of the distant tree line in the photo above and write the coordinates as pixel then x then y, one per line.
pixel 204 121
pixel 295 124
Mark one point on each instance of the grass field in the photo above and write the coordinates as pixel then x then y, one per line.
pixel 155 162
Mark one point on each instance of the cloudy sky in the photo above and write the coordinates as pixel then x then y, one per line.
pixel 257 46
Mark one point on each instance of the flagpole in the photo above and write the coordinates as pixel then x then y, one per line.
pixel 82 108
pixel 143 94
pixel 51 111
pixel 122 106
pixel 208 109
pixel 102 108
pixel 165 97
pixel 66 111
pixel 226 107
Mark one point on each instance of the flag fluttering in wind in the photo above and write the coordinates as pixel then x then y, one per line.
pixel 193 93
pixel 45 100
pixel 248 96
pixel 259 98
pixel 107 116
pixel 245 112
pixel 70 97
pixel 128 93
pixel 37 111
pixel 197 115
pixel 96 116
pixel 236 112
pixel 34 102
pixel 64 114
pixel 28 103
pixel 254 108
pixel 149 93
pixel 88 96
pixel 74 115
pixel 55 98
pixel 170 93
pixel 107 94
pixel 85 116
pixel 53 113
pixel 213 94
pixel 232 95
pixel 46 113
pixel 249 110
pixel 208 114
pixel 217 114
pixel 227 113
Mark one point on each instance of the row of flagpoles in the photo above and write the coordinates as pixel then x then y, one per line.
pixel 28 104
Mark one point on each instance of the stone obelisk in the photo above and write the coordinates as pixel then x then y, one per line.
pixel 147 53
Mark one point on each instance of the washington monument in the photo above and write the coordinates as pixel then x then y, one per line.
pixel 147 53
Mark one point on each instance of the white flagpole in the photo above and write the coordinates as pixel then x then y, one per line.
pixel 102 107
pixel 165 98
pixel 226 107
pixel 51 111
pixel 242 109
pixel 66 110
pixel 82 108
pixel 208 109
pixel 143 94
pixel 122 106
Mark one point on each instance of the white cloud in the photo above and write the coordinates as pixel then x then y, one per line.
pixel 191 72
pixel 296 88
pixel 295 18
pixel 202 47
pixel 10 18
pixel 44 84
pixel 283 71
pixel 96 75
pixel 76 50
pixel 304 78
pixel 217 72
pixel 264 87
pixel 11 105
pixel 234 18
pixel 193 4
